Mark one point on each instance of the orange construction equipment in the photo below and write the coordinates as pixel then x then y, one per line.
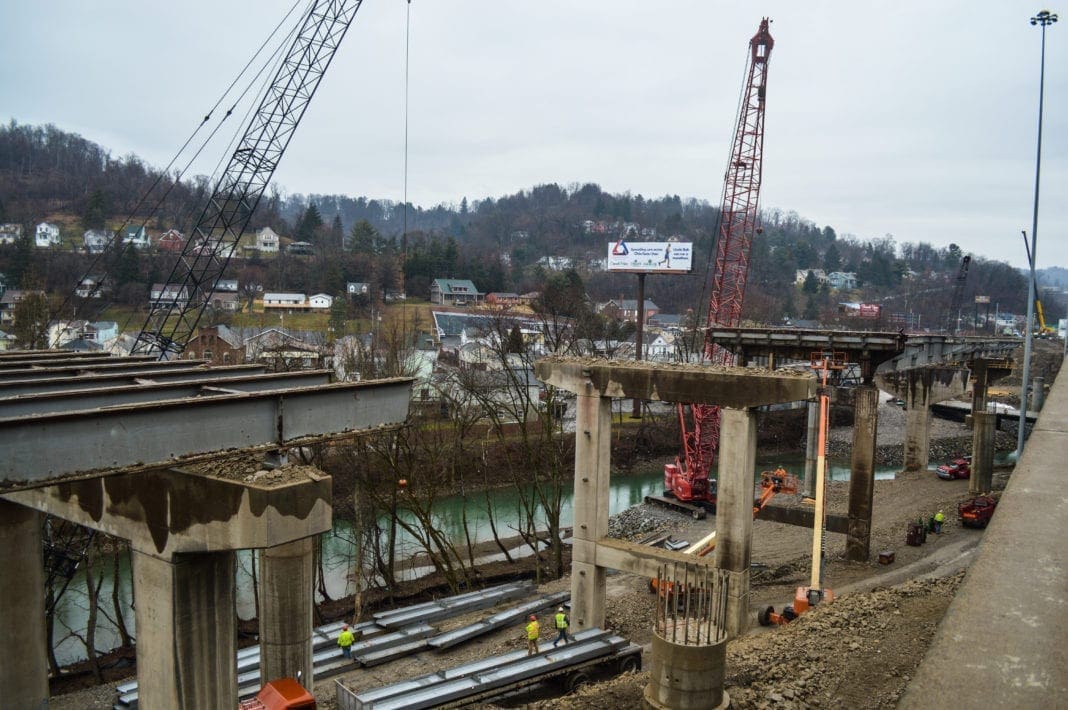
pixel 807 597
pixel 280 694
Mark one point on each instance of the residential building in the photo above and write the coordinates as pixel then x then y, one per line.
pixel 225 301
pixel 137 236
pixel 285 352
pixel 394 294
pixel 503 299
pixel 226 286
pixel 47 235
pixel 454 292
pixel 10 233
pixel 168 294
pixel 301 249
pixel 627 309
pixel 267 240
pixel 90 287
pixel 802 274
pixel 358 288
pixel 7 341
pixel 320 301
pixel 8 301
pixel 842 280
pixel 172 240
pixel 97 240
pixel 556 263
pixel 217 344
pixel 291 301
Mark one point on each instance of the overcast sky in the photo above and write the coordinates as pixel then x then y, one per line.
pixel 914 119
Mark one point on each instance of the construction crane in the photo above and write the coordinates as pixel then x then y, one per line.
pixel 958 293
pixel 173 317
pixel 688 478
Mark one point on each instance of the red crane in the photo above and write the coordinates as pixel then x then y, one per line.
pixel 688 479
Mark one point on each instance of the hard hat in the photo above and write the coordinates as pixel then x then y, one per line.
pixel 344 627
pixel 560 609
pixel 533 617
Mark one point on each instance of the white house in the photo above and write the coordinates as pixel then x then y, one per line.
pixel 167 294
pixel 10 233
pixel 90 287
pixel 284 300
pixel 226 286
pixel 137 236
pixel 97 240
pixel 321 301
pixel 358 288
pixel 267 240
pixel 47 235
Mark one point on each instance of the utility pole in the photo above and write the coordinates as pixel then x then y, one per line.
pixel 1044 19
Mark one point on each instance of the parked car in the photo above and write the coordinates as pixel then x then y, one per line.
pixel 957 468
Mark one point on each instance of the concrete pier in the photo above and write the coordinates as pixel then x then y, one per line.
pixel 593 450
pixel 920 388
pixel 23 668
pixel 982 452
pixel 186 630
pixel 734 511
pixel 862 473
pixel 287 598
pixel 595 383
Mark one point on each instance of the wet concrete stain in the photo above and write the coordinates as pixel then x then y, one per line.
pixel 169 502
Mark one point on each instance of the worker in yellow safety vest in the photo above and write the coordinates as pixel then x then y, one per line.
pixel 562 624
pixel 345 639
pixel 533 631
pixel 939 518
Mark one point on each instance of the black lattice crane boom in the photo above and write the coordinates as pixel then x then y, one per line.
pixel 174 316
pixel 688 478
pixel 958 294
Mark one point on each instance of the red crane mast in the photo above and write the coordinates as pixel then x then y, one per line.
pixel 689 479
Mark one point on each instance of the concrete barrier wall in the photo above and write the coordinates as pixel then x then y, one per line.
pixel 1004 639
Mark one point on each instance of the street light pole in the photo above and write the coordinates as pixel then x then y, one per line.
pixel 1044 19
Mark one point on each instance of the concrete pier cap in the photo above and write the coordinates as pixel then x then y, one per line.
pixel 178 511
pixel 733 387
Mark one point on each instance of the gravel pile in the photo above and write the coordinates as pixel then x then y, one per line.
pixel 815 660
pixel 641 520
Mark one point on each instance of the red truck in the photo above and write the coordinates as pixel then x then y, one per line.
pixel 976 512
pixel 280 694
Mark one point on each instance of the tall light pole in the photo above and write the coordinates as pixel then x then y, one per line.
pixel 1044 19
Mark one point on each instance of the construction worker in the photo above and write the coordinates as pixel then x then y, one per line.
pixel 939 518
pixel 345 639
pixel 533 631
pixel 562 624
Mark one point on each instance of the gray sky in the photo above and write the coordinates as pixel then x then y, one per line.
pixel 914 119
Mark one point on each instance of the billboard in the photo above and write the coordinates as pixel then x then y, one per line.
pixel 869 310
pixel 650 257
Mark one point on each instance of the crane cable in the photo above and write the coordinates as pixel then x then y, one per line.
pixel 116 254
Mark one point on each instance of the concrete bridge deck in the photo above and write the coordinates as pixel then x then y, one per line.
pixel 1004 640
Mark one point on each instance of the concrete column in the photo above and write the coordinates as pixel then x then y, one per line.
pixel 593 440
pixel 24 665
pixel 980 385
pixel 917 430
pixel 186 630
pixel 862 473
pixel 1038 393
pixel 287 597
pixel 812 435
pixel 734 510
pixel 982 452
